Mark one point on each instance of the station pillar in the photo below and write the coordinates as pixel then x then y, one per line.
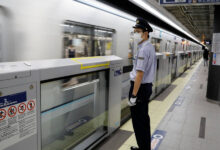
pixel 213 86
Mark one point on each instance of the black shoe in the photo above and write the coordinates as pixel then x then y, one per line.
pixel 134 148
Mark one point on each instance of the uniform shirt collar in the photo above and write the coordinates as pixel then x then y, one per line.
pixel 143 43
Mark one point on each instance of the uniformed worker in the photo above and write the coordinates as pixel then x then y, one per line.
pixel 142 76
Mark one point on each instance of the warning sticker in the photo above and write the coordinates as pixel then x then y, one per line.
pixel 18 119
pixel 21 108
pixel 31 105
pixel 2 114
pixel 12 110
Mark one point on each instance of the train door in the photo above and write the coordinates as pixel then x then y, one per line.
pixel 157 88
pixel 187 57
pixel 157 82
pixel 168 64
pixel 168 46
pixel 174 62
pixel 184 57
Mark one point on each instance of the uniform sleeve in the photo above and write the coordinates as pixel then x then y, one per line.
pixel 142 59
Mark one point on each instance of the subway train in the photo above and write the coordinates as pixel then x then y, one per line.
pixel 33 30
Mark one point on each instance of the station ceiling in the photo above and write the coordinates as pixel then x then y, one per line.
pixel 197 18
pixel 127 6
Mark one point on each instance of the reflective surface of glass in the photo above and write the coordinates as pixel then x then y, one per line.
pixel 72 110
pixel 156 43
pixel 81 40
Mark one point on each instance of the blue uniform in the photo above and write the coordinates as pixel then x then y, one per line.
pixel 145 61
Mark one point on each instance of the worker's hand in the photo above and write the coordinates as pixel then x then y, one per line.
pixel 132 100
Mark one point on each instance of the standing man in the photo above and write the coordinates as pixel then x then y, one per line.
pixel 142 76
pixel 205 56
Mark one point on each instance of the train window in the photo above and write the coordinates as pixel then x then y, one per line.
pixel 131 49
pixel 175 47
pixel 188 47
pixel 156 43
pixel 167 46
pixel 86 40
pixel 182 47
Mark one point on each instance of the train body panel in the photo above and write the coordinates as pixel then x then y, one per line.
pixel 38 33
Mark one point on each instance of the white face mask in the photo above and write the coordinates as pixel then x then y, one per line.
pixel 137 37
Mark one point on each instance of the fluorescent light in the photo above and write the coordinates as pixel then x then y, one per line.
pixel 107 8
pixel 147 7
pixel 153 11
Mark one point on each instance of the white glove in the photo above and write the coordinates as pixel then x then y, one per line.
pixel 132 101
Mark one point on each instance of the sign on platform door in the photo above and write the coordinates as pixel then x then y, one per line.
pixel 18 119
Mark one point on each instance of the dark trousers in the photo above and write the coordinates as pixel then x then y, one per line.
pixel 205 62
pixel 140 116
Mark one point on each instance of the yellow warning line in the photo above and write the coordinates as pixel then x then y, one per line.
pixel 158 109
pixel 95 66
pixel 91 66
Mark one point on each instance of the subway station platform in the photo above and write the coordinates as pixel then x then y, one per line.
pixel 65 73
pixel 182 113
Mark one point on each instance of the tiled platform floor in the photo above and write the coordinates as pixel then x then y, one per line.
pixel 183 122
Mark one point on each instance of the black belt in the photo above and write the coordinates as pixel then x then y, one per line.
pixel 144 84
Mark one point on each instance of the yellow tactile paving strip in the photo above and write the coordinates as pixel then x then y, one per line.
pixel 158 109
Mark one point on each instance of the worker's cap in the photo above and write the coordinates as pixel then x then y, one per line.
pixel 143 24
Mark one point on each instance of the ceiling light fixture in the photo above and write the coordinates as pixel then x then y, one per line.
pixel 140 3
pixel 156 13
pixel 106 8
